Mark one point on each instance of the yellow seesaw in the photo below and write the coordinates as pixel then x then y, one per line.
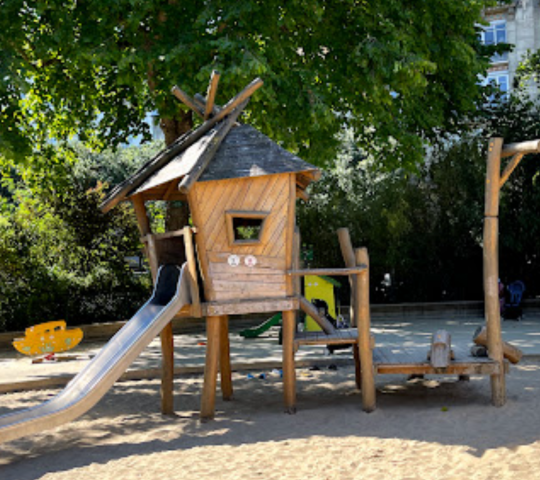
pixel 46 338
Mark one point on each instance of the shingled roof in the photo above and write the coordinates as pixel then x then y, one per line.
pixel 218 149
pixel 244 152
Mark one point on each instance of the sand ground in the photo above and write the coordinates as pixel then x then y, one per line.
pixel 438 428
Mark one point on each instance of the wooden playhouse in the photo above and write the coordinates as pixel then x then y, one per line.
pixel 242 188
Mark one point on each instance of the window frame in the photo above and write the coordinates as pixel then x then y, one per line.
pixel 230 215
pixel 496 58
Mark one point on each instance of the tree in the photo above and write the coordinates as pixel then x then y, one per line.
pixel 397 73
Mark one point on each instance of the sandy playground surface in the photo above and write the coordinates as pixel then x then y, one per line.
pixel 431 429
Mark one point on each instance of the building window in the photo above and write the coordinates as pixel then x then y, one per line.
pixel 500 80
pixel 245 227
pixel 495 34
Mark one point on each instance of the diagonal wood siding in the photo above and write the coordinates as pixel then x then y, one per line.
pixel 209 201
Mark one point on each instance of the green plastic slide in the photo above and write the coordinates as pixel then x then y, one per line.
pixel 254 332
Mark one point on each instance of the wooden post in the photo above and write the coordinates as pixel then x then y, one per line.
pixel 491 269
pixel 167 370
pixel 208 400
pixel 289 373
pixel 362 315
pixel 225 359
pixel 192 269
pixel 347 252
pixel 211 94
pixel 140 212
pixel 166 335
pixel 348 256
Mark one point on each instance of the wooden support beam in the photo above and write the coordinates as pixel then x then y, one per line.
pixel 204 159
pixel 289 373
pixel 163 236
pixel 491 269
pixel 310 309
pixel 512 164
pixel 347 252
pixel 152 252
pixel 327 271
pixel 362 314
pixel 140 212
pixel 187 100
pixel 297 283
pixel 211 94
pixel 208 397
pixel 530 146
pixel 171 189
pixel 167 370
pixel 192 270
pixel 302 194
pixel 240 98
pixel 201 101
pixel 225 359
pixel 511 353
pixel 357 366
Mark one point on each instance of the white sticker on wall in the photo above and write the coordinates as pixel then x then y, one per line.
pixel 233 260
pixel 250 261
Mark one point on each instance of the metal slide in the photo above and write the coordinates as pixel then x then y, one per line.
pixel 90 385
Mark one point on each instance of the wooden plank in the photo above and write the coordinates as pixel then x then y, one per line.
pixel 251 288
pixel 229 296
pixel 219 263
pixel 328 271
pixel 211 94
pixel 163 236
pixel 289 374
pixel 208 397
pixel 225 360
pixel 426 369
pixel 250 306
pixel 204 159
pixel 362 315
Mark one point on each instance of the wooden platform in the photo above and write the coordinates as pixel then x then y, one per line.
pixel 409 361
pixel 345 336
pixel 414 361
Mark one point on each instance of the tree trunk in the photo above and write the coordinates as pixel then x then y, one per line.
pixel 177 215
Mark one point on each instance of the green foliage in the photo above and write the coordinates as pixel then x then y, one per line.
pixel 426 229
pixel 60 257
pixel 395 72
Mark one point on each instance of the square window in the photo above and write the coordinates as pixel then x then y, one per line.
pixel 245 227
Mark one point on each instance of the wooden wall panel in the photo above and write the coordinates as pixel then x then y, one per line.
pixel 209 201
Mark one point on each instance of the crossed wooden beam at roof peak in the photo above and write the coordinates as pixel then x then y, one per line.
pixel 206 108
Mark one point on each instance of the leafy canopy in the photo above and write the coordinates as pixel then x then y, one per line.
pixel 396 72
